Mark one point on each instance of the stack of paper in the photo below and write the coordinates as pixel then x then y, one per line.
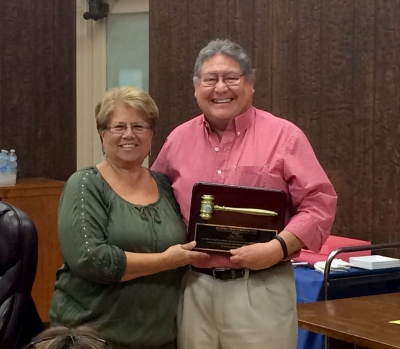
pixel 336 265
pixel 374 262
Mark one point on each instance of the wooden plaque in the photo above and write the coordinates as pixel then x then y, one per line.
pixel 224 217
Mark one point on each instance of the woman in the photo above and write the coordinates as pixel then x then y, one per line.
pixel 121 235
pixel 61 337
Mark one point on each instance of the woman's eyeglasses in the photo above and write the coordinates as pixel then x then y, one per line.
pixel 136 128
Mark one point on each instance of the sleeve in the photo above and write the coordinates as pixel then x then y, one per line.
pixel 82 221
pixel 313 195
pixel 165 185
pixel 161 163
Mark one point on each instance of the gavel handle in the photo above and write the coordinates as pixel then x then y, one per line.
pixel 252 211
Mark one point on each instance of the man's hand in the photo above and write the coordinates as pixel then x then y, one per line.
pixel 257 256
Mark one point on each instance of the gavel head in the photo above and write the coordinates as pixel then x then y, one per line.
pixel 207 206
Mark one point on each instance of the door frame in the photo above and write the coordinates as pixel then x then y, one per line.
pixel 91 75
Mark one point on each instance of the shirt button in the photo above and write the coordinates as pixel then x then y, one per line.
pixel 216 149
pixel 238 133
pixel 219 171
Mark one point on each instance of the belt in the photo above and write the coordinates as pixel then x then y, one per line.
pixel 229 274
pixel 224 274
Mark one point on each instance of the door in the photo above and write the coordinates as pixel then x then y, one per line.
pixel 111 52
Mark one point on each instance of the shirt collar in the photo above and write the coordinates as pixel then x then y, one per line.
pixel 243 121
pixel 238 124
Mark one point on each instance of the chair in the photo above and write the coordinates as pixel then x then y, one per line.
pixel 19 320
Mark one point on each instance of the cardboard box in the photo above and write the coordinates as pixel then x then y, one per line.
pixel 333 243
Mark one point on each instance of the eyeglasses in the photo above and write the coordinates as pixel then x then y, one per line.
pixel 32 345
pixel 211 79
pixel 136 127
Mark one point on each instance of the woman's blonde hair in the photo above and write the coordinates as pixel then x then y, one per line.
pixel 61 337
pixel 129 96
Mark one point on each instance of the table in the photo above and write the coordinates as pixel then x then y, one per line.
pixel 360 320
pixel 310 288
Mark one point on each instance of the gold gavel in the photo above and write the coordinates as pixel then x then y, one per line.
pixel 207 207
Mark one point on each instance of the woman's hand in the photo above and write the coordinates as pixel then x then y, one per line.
pixel 141 264
pixel 179 255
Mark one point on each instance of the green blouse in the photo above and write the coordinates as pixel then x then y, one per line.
pixel 95 227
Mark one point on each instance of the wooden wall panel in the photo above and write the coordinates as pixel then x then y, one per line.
pixel 308 115
pixel 337 102
pixel 241 30
pixel 386 136
pixel 37 86
pixel 362 144
pixel 220 19
pixel 330 66
pixel 200 30
pixel 261 55
pixel 284 59
pixel 178 62
pixel 159 57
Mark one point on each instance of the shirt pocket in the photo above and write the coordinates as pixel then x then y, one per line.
pixel 251 176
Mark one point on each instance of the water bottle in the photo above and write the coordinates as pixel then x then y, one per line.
pixel 12 167
pixel 3 166
pixel 12 161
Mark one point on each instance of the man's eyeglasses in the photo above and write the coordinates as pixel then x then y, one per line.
pixel 136 127
pixel 72 338
pixel 211 79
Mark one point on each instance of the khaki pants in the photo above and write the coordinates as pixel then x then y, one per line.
pixel 254 313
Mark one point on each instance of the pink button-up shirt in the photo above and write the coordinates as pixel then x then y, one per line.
pixel 260 150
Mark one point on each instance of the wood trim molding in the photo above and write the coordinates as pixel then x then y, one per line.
pixel 90 83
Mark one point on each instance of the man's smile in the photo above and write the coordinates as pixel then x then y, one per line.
pixel 225 100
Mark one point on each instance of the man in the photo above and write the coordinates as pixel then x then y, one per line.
pixel 234 143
